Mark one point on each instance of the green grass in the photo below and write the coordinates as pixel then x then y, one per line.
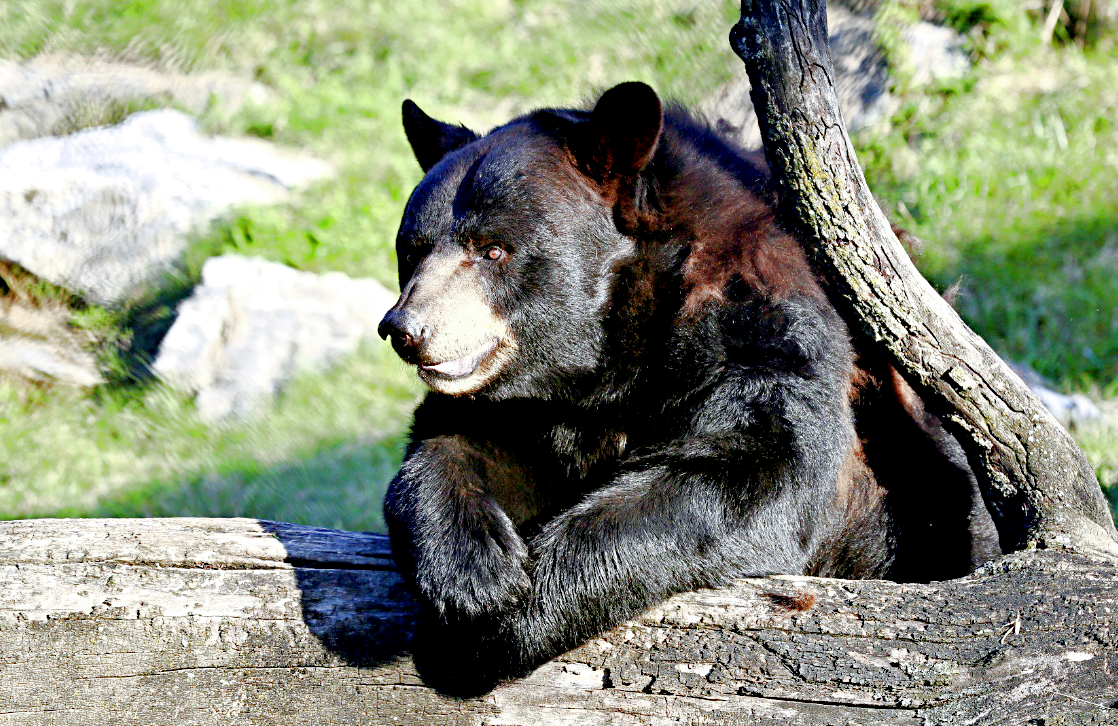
pixel 1016 183
pixel 321 457
pixel 339 72
pixel 1011 174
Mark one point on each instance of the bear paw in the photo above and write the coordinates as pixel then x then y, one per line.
pixel 474 567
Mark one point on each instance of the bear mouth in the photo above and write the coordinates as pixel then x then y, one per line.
pixel 464 366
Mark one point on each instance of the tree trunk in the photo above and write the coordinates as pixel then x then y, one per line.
pixel 1038 485
pixel 192 621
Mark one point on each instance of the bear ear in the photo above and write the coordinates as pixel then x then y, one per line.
pixel 620 137
pixel 431 140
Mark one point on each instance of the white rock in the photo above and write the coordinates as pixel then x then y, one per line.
pixel 39 344
pixel 251 324
pixel 104 211
pixel 1070 410
pixel 47 95
pixel 936 53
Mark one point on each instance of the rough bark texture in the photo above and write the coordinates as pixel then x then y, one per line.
pixel 211 621
pixel 1038 484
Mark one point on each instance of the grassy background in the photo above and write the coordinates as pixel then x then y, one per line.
pixel 339 71
pixel 1011 173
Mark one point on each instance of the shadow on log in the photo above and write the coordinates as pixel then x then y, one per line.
pixel 235 621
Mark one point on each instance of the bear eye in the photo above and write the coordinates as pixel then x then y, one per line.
pixel 494 253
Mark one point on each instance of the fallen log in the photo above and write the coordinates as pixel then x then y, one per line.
pixel 239 621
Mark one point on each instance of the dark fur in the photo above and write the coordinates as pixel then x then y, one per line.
pixel 685 406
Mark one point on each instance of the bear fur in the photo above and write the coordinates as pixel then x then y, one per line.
pixel 638 387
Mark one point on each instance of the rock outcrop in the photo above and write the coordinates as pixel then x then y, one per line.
pixel 104 211
pixel 56 95
pixel 251 324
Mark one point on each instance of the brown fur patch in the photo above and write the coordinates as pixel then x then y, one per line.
pixel 912 404
pixel 860 384
pixel 787 604
pixel 734 234
pixel 858 492
pixel 913 245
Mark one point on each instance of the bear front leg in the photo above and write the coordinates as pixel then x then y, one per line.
pixel 702 514
pixel 450 534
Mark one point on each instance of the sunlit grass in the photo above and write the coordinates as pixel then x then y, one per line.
pixel 339 72
pixel 321 457
pixel 1012 175
pixel 1016 185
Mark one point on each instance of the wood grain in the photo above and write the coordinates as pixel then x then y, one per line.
pixel 236 621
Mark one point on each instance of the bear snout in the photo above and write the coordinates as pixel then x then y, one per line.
pixel 406 332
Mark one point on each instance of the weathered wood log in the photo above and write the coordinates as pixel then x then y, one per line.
pixel 1038 484
pixel 191 621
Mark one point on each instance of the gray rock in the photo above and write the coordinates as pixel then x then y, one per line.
pixel 861 77
pixel 936 54
pixel 52 95
pixel 1070 410
pixel 103 212
pixel 252 324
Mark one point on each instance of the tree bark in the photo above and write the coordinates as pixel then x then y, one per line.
pixel 1037 483
pixel 191 621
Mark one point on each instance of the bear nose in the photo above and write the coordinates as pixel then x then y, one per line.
pixel 407 334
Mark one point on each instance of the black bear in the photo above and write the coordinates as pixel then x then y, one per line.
pixel 638 387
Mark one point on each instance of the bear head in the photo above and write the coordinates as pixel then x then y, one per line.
pixel 509 246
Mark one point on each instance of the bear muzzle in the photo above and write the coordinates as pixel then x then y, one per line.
pixel 407 333
pixel 466 356
pixel 461 367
